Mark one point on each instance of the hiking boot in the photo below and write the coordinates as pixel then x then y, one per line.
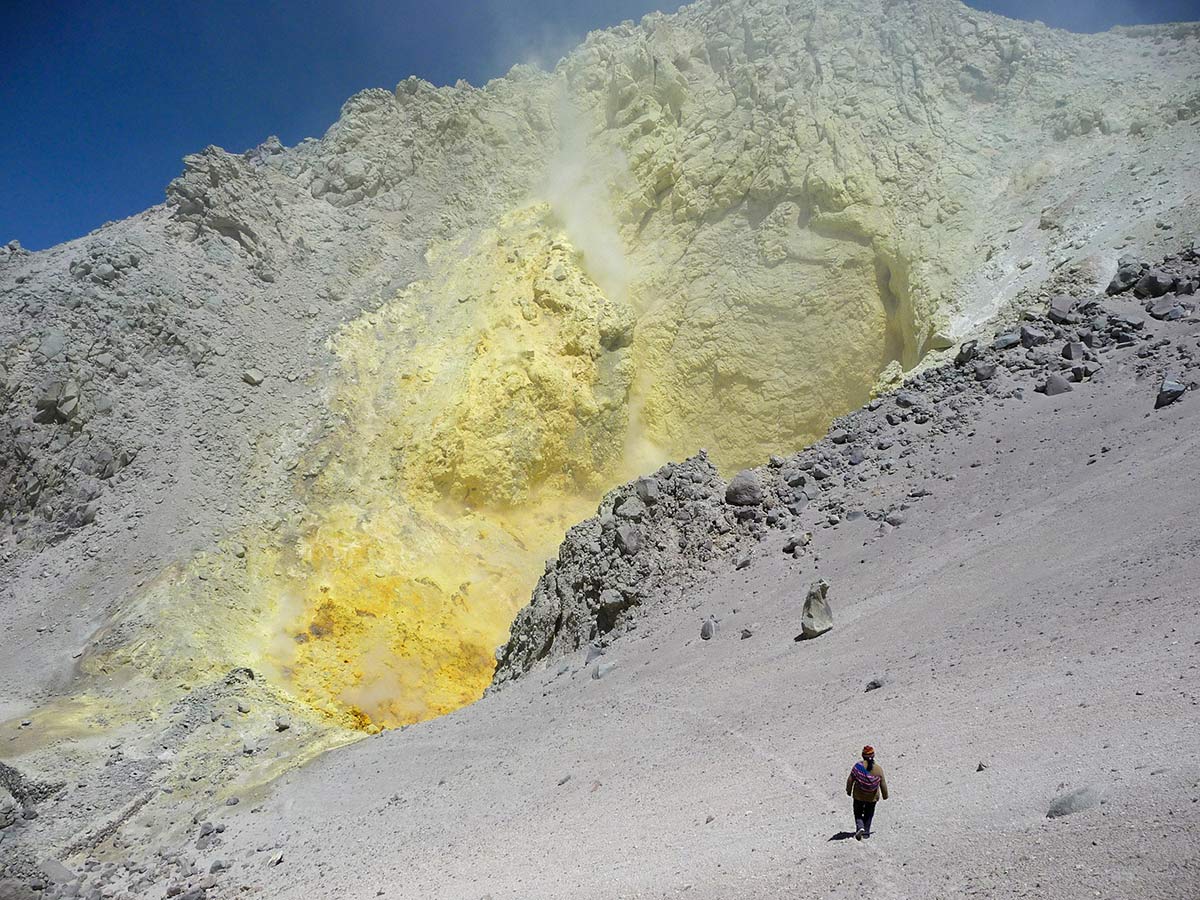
pixel 858 835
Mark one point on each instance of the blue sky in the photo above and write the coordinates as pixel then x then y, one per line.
pixel 100 100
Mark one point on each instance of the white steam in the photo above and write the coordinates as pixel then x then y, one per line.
pixel 581 182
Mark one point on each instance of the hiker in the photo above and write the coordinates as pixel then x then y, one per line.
pixel 867 786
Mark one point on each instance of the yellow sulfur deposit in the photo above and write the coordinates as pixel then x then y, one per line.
pixel 484 410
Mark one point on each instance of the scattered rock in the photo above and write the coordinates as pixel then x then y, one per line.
pixel 984 370
pixel 1074 350
pixel 1170 390
pixel 817 617
pixel 1154 283
pixel 1054 385
pixel 709 629
pixel 1032 337
pixel 1074 801
pixel 253 377
pixel 631 508
pixel 1061 308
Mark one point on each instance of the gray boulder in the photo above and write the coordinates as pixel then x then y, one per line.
pixel 1061 308
pixel 1055 385
pixel 817 617
pixel 648 489
pixel 629 539
pixel 1031 337
pixel 1074 351
pixel 1169 391
pixel 631 508
pixel 1154 283
pixel 744 489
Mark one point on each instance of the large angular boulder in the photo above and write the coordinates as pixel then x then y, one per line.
pixel 817 617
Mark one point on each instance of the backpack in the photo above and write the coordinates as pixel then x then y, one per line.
pixel 863 779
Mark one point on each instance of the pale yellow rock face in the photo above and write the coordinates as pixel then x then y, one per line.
pixel 484 409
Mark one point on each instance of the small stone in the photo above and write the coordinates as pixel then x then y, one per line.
pixel 743 561
pixel 1032 337
pixel 282 723
pixel 966 353
pixel 874 684
pixel 648 489
pixel 629 539
pixel 984 370
pixel 709 629
pixel 1074 801
pixel 1074 350
pixel 1166 310
pixel 1055 385
pixel 252 377
pixel 601 669
pixel 631 508
pixel 1169 391
pixel 1061 307
pixel 1006 341
pixel 895 518
pixel 797 542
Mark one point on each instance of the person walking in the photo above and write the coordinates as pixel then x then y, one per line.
pixel 867 786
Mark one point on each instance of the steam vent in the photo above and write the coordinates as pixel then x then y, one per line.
pixel 289 453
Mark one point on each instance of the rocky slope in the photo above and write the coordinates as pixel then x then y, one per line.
pixel 1008 544
pixel 299 440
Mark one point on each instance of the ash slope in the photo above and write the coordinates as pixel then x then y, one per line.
pixel 1032 618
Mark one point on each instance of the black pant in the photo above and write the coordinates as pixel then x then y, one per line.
pixel 864 812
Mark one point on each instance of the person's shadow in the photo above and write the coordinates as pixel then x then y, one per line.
pixel 842 836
